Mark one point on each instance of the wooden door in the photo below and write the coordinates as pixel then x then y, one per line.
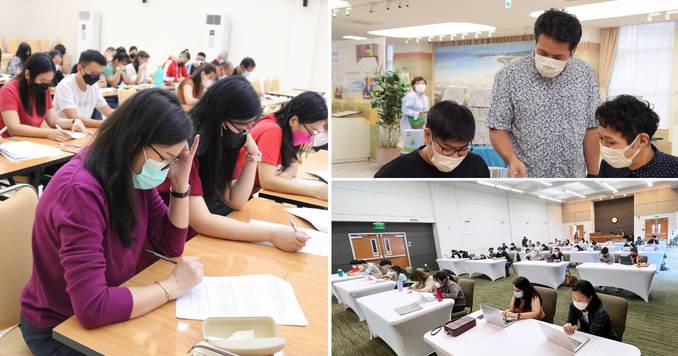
pixel 367 247
pixel 395 249
pixel 659 227
pixel 375 247
pixel 580 231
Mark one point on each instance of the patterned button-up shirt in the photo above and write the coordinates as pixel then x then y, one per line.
pixel 546 118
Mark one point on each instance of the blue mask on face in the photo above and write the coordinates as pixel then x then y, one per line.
pixel 152 174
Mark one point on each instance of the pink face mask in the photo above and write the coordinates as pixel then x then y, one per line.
pixel 301 138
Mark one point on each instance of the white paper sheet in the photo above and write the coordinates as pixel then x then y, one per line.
pixel 77 134
pixel 242 296
pixel 22 150
pixel 311 182
pixel 318 244
pixel 319 218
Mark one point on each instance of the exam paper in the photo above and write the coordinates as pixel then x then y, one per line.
pixel 77 134
pixel 318 244
pixel 242 296
pixel 319 218
pixel 22 150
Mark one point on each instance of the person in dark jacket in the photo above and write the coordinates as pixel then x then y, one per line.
pixel 587 313
pixel 448 284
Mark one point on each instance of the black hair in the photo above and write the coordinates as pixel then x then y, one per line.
pixel 445 273
pixel 23 52
pixel 586 288
pixel 449 120
pixel 416 79
pixel 121 49
pixel 248 62
pixel 529 293
pixel 152 116
pixel 229 99
pixel 201 54
pixel 185 53
pixel 89 56
pixel 559 25
pixel 634 249
pixel 628 115
pixel 308 107
pixel 419 275
pixel 35 65
pixel 385 262
pixel 206 68
pixel 61 48
pixel 139 55
pixel 354 262
pixel 121 56
pixel 604 251
pixel 53 54
pixel 131 48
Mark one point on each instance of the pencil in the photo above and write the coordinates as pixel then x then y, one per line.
pixel 160 256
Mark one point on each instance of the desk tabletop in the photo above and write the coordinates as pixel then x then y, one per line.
pixel 312 161
pixel 385 303
pixel 161 333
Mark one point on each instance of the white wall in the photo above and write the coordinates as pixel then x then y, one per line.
pixel 286 40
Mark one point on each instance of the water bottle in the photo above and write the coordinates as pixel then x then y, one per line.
pixel 159 77
pixel 439 294
pixel 400 285
pixel 340 273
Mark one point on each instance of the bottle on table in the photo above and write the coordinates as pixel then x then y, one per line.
pixel 340 273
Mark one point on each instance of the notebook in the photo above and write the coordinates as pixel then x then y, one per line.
pixel 23 150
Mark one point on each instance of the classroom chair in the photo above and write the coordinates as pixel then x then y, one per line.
pixel 125 93
pixel 468 286
pixel 617 258
pixel 617 308
pixel 16 222
pixel 549 297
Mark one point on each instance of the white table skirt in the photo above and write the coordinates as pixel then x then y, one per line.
pixel 336 279
pixel 456 265
pixel 550 274
pixel 490 340
pixel 349 291
pixel 635 279
pixel 489 267
pixel 403 332
pixel 584 256
pixel 653 257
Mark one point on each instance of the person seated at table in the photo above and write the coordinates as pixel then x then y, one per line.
pixel 423 281
pixel 137 71
pixel 490 252
pixel 639 241
pixel 16 63
pixel 446 153
pixel 245 68
pixel 595 246
pixel 501 253
pixel 503 245
pixel 579 248
pixel 535 255
pixel 175 68
pixel 526 302
pixel 370 269
pixel 385 265
pixel 115 71
pixel 633 256
pixel 544 247
pixel 557 256
pixel 25 103
pixel 513 246
pixel 222 120
pixel 356 267
pixel 446 280
pixel 281 136
pixel 401 275
pixel 198 61
pixel 606 256
pixel 77 96
pixel 524 241
pixel 626 126
pixel 191 89
pixel 225 69
pixel 57 58
pixel 587 313
pixel 653 240
pixel 96 214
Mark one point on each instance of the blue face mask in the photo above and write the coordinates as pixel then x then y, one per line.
pixel 152 174
pixel 245 74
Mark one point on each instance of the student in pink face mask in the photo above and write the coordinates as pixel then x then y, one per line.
pixel 280 137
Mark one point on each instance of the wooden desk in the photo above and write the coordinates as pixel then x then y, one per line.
pixel 286 93
pixel 600 237
pixel 313 161
pixel 161 333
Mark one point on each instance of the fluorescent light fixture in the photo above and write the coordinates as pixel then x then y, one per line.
pixel 618 8
pixel 486 183
pixel 338 4
pixel 352 37
pixel 439 29
pixel 574 193
pixel 549 198
pixel 499 186
pixel 608 187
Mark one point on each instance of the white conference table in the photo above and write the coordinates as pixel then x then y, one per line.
pixel 456 265
pixel 349 291
pixel 551 274
pixel 634 279
pixel 583 256
pixel 544 255
pixel 522 338
pixel 653 257
pixel 493 268
pixel 403 332
pixel 336 279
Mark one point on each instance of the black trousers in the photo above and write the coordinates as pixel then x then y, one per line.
pixel 40 341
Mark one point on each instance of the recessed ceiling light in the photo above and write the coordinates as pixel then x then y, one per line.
pixel 617 8
pixel 352 37
pixel 440 29
pixel 574 193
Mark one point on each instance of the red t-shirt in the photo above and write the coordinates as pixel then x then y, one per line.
pixel 174 70
pixel 268 136
pixel 10 100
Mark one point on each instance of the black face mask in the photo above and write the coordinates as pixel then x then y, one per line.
pixel 232 140
pixel 40 87
pixel 90 79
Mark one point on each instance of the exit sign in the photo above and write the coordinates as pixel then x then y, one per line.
pixel 379 225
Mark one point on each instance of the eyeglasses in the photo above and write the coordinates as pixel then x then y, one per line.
pixel 169 162
pixel 248 126
pixel 461 151
pixel 313 132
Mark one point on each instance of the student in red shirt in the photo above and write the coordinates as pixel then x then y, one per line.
pixel 280 137
pixel 25 103
pixel 175 68
pixel 222 118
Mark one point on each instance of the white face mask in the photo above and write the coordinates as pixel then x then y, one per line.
pixel 206 83
pixel 320 139
pixel 420 88
pixel 579 305
pixel 444 163
pixel 518 295
pixel 548 67
pixel 615 156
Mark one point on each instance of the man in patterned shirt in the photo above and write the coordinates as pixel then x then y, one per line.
pixel 541 117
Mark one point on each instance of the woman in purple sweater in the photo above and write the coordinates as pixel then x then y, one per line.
pixel 97 213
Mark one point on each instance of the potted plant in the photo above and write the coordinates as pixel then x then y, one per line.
pixel 387 97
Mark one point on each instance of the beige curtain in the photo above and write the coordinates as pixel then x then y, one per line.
pixel 608 43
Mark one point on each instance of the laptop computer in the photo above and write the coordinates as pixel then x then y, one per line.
pixel 494 316
pixel 572 342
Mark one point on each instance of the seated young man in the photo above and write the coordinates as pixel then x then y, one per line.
pixel 626 126
pixel 450 127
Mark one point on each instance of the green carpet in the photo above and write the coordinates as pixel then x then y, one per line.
pixel 652 327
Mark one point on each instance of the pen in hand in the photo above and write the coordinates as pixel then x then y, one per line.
pixel 160 256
